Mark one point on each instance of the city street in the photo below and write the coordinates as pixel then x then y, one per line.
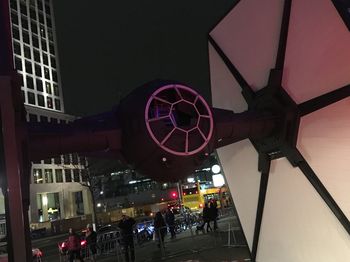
pixel 213 246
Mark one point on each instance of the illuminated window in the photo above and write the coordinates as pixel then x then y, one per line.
pixel 48 176
pixel 56 91
pixel 48 88
pixel 49 102
pixel 38 176
pixel 47 73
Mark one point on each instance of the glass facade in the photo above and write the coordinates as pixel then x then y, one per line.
pixel 35 53
pixel 35 59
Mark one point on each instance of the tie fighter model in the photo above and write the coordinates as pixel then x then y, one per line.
pixel 165 129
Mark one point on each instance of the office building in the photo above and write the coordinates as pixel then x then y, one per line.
pixel 56 190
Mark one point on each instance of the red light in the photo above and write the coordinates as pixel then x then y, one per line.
pixel 174 195
pixel 184 194
pixel 83 243
pixel 63 244
pixel 200 205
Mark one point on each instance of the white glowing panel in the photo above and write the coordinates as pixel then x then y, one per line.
pixel 297 224
pixel 226 93
pixel 239 161
pixel 324 141
pixel 218 180
pixel 317 58
pixel 240 165
pixel 249 36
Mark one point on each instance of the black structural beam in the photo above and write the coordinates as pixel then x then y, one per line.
pixel 261 202
pixel 324 100
pixel 282 45
pixel 247 91
pixel 323 192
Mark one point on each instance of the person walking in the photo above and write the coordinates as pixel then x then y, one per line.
pixel 160 228
pixel 214 213
pixel 206 217
pixel 74 246
pixel 91 240
pixel 170 220
pixel 126 225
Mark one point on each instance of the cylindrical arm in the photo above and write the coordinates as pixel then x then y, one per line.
pixel 232 127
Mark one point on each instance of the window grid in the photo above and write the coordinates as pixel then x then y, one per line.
pixel 34 46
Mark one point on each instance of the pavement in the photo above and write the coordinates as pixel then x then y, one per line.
pixel 189 246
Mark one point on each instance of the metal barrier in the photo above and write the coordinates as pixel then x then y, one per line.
pixel 109 247
pixel 195 239
pixel 190 240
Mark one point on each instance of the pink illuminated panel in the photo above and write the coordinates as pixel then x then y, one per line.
pixel 317 56
pixel 249 37
pixel 324 139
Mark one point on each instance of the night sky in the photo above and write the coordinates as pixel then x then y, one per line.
pixel 108 48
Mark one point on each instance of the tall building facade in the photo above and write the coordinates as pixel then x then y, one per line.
pixel 56 192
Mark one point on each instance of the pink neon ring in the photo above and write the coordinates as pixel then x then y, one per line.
pixel 208 115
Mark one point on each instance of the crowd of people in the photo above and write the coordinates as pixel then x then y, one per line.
pixel 163 222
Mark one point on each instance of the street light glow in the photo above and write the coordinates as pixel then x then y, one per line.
pixel 216 169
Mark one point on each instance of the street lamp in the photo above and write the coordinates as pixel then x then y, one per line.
pixel 216 169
